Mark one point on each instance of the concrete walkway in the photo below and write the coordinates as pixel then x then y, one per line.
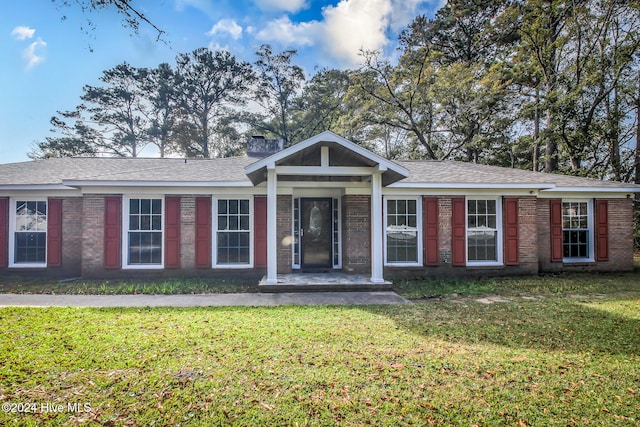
pixel 203 300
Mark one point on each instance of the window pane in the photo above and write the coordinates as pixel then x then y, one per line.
pixel 233 207
pixel 482 230
pixel 575 233
pixel 491 221
pixel 232 236
pixel 145 248
pixel 30 248
pixel 391 207
pixel 145 206
pixel 134 206
pixel 145 222
pixel 471 207
pixel 134 222
pixel 482 207
pixel 233 248
pixel 402 231
pixel 244 222
pixel 491 207
pixel 222 222
pixel 233 223
pixel 145 237
pixel 156 222
pixel 402 206
pixel 244 207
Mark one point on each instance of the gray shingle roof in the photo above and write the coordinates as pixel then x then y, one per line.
pixel 432 174
pixel 57 170
pixel 454 172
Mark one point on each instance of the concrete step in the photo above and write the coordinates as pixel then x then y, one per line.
pixel 322 282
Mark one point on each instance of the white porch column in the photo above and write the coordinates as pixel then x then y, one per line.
pixel 377 242
pixel 272 224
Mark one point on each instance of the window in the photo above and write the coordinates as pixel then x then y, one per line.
pixel 29 225
pixel 144 232
pixel 484 231
pixel 402 225
pixel 233 241
pixel 577 230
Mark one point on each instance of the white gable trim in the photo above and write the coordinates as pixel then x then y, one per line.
pixel 326 136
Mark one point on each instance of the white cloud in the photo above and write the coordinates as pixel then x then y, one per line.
pixel 284 31
pixel 23 33
pixel 31 54
pixel 282 5
pixel 345 29
pixel 226 26
pixel 352 25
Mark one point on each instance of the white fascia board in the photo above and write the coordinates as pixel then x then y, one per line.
pixel 474 192
pixel 80 183
pixel 592 190
pixel 35 187
pixel 461 186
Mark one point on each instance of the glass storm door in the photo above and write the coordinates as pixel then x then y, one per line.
pixel 315 233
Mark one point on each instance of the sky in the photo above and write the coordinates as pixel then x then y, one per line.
pixel 48 52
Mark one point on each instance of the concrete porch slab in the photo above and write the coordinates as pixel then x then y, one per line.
pixel 318 282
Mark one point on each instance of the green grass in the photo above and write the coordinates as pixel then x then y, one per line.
pixel 550 361
pixel 547 285
pixel 20 285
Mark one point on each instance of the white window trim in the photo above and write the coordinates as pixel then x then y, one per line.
pixel 419 254
pixel 499 241
pixel 214 232
pixel 12 233
pixel 125 234
pixel 591 234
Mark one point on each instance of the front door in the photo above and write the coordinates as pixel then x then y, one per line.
pixel 315 233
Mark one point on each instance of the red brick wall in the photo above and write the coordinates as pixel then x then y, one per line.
pixel 544 235
pixel 83 227
pixel 445 212
pixel 527 237
pixel 620 213
pixel 188 232
pixel 356 234
pixel 284 217
pixel 72 223
pixel 93 235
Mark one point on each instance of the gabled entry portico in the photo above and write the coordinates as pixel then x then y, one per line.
pixel 317 171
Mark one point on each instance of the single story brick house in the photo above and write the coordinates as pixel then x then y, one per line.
pixel 324 204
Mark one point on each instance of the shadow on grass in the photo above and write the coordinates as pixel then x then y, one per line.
pixel 609 326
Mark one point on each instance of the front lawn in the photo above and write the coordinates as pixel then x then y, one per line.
pixel 541 359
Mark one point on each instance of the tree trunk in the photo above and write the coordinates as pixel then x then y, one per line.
pixel 536 131
pixel 614 135
pixel 551 149
pixel 637 159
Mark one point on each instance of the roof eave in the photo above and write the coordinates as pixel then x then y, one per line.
pixel 469 185
pixel 559 189
pixel 37 187
pixel 104 183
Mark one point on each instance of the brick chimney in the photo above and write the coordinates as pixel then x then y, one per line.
pixel 259 146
